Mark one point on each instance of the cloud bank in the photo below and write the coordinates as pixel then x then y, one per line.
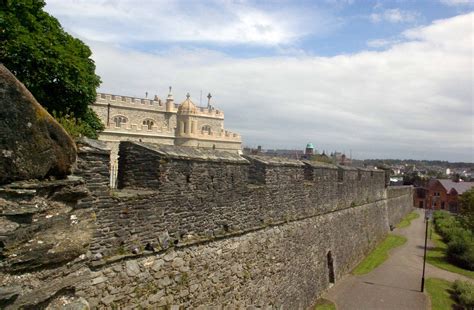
pixel 410 98
pixel 413 100
pixel 217 22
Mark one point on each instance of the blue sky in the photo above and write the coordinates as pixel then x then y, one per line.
pixel 386 79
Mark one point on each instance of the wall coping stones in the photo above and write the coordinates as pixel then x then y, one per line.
pixel 369 169
pixel 275 161
pixel 37 184
pixel 318 164
pixel 348 168
pixel 191 153
pixel 86 145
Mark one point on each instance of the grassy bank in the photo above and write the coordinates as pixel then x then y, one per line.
pixel 407 220
pixel 440 293
pixel 324 304
pixel 437 256
pixel 379 254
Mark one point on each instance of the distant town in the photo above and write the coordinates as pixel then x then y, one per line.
pixel 403 171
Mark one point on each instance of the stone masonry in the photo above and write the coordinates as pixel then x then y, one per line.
pixel 196 228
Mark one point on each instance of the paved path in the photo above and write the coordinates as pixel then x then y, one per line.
pixel 396 283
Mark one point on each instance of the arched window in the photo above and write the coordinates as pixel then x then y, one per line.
pixel 206 129
pixel 119 120
pixel 149 123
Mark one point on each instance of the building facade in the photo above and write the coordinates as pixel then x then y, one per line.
pixel 162 122
pixel 441 194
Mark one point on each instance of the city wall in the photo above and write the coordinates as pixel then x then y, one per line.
pixel 202 228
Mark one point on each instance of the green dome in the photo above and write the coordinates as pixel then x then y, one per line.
pixel 309 146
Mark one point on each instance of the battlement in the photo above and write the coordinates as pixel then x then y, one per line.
pixel 222 135
pixel 256 170
pixel 226 193
pixel 156 104
pixel 126 101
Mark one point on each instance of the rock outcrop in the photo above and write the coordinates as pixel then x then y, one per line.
pixel 32 144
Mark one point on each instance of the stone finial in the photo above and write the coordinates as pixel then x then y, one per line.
pixel 170 94
pixel 188 96
pixel 209 96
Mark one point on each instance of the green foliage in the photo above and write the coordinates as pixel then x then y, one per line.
pixel 323 159
pixel 439 291
pixel 464 293
pixel 437 257
pixel 324 304
pixel 460 241
pixel 54 66
pixel 379 254
pixel 413 178
pixel 407 220
pixel 466 203
pixel 77 127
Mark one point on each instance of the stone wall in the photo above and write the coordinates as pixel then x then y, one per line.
pixel 399 203
pixel 203 228
pixel 183 195
pixel 282 266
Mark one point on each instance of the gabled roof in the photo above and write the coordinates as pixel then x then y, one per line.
pixel 460 187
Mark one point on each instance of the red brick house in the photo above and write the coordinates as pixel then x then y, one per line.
pixel 440 194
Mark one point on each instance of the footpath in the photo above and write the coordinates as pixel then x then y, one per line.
pixel 396 283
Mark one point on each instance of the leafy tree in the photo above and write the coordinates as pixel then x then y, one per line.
pixel 53 65
pixel 466 204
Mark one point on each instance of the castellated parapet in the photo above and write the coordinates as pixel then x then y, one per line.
pixel 163 122
pixel 199 229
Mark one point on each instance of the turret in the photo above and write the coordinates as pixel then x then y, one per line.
pixel 170 102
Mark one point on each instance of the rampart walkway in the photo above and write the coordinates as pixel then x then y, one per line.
pixel 396 283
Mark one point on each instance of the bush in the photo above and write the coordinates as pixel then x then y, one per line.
pixel 460 241
pixel 464 293
pixel 460 252
pixel 77 127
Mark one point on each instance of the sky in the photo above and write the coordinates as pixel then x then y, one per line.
pixel 377 79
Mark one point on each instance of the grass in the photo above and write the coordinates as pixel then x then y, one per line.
pixel 407 220
pixel 439 292
pixel 324 304
pixel 437 256
pixel 379 254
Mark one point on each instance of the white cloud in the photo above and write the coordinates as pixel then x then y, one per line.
pixel 381 43
pixel 394 16
pixel 458 2
pixel 412 100
pixel 187 21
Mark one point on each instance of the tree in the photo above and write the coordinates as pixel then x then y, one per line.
pixel 466 210
pixel 53 65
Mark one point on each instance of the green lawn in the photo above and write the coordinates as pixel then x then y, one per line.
pixel 439 291
pixel 437 257
pixel 379 254
pixel 407 220
pixel 324 304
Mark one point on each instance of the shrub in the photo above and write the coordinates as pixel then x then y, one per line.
pixel 77 127
pixel 460 252
pixel 464 293
pixel 460 241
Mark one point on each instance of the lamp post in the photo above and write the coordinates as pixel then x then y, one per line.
pixel 424 256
